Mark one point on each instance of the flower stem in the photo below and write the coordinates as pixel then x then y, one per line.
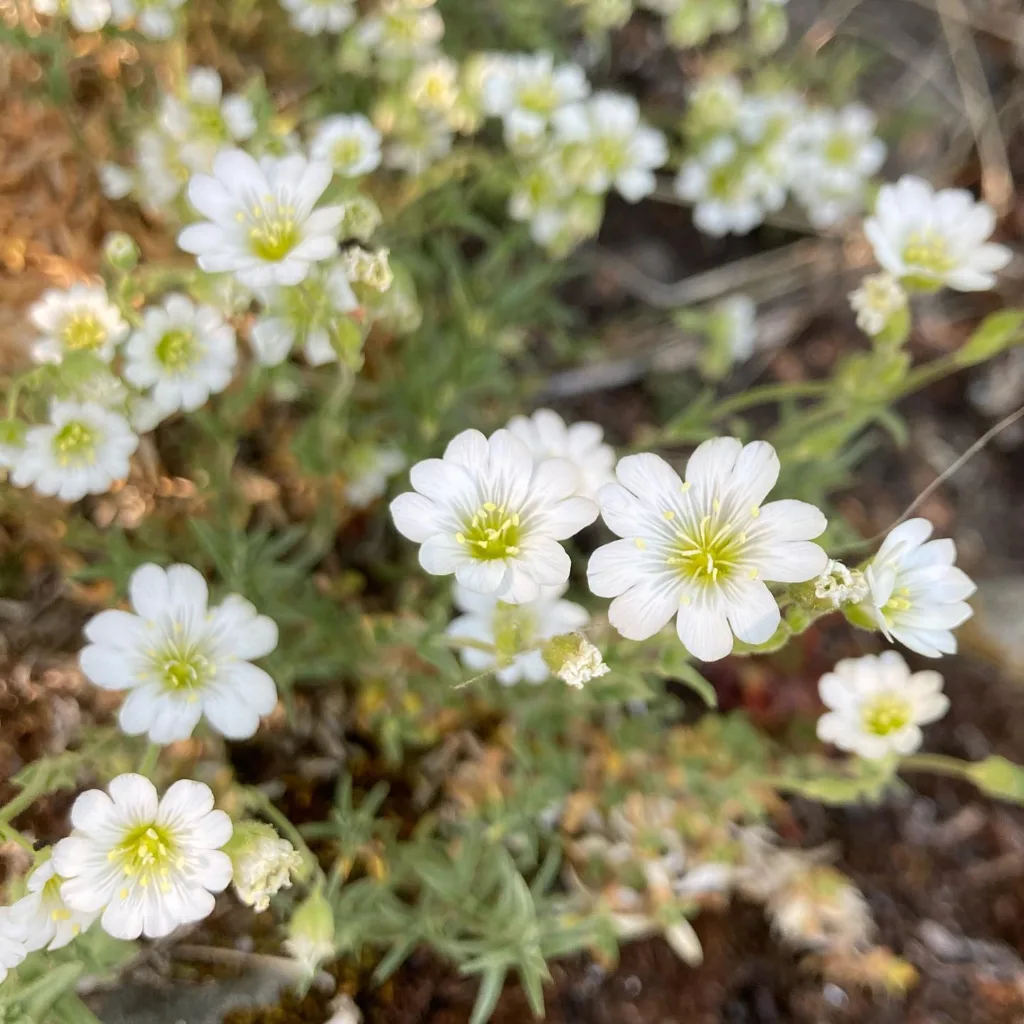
pixel 941 764
pixel 149 760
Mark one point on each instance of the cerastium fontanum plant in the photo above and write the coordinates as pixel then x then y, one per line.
pixel 379 224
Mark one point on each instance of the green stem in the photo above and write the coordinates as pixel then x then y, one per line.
pixel 149 760
pixel 941 764
pixel 769 393
pixel 19 803
pixel 259 801
pixel 11 834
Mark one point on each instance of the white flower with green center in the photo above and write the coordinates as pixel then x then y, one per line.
pixel 434 86
pixel 349 143
pixel 917 595
pixel 82 450
pixel 307 315
pixel 204 119
pixel 368 471
pixel 181 354
pixel 877 707
pixel 704 549
pixel 181 660
pixel 516 632
pixel 548 436
pixel 314 17
pixel 263 225
pixel 492 515
pixel 44 917
pixel 148 864
pixel 400 31
pixel 607 146
pixel 79 319
pixel 161 174
pixel 12 942
pixel 879 298
pixel 153 18
pixel 84 15
pixel 929 239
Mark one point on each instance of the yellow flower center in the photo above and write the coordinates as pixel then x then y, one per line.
pixel 708 552
pixel 75 442
pixel 492 533
pixel 147 853
pixel 346 152
pixel 928 250
pixel 840 150
pixel 182 667
pixel 273 232
pixel 82 332
pixel 538 97
pixel 899 601
pixel 177 349
pixel 885 715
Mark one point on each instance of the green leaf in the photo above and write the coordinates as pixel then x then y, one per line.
pixel 687 674
pixel 998 777
pixel 487 998
pixel 995 334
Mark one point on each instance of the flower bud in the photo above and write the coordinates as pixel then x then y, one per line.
pixel 311 932
pixel 573 659
pixel 262 863
pixel 360 219
pixel 881 307
pixel 368 268
pixel 120 251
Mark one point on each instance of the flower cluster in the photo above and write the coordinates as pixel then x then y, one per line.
pixel 155 19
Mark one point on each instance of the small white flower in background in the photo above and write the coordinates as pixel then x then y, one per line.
pixel 878 299
pixel 181 354
pixel 349 143
pixel 82 450
pixel 917 595
pixel 821 909
pixel 839 585
pixel 311 932
pixel 732 325
pixel 344 1011
pixel 548 436
pixel 12 942
pixel 370 268
pixel 44 917
pixel 79 319
pixel 526 89
pixel 316 16
pixel 12 442
pixel 714 104
pixel 148 864
pixel 398 31
pixel 262 863
pixel 369 473
pixel 263 225
pixel 516 632
pixel 204 119
pixel 541 189
pixel 419 146
pixel 574 660
pixel 116 181
pixel 607 145
pixel 434 86
pixel 181 660
pixel 493 516
pixel 304 315
pixel 725 188
pixel 153 18
pixel 161 173
pixel 877 706
pixel 84 15
pixel 704 548
pixel 929 239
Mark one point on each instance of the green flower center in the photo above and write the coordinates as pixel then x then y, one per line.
pixel 346 152
pixel 514 631
pixel 183 669
pixel 885 715
pixel 177 349
pixel 840 150
pixel 82 332
pixel 899 601
pixel 208 120
pixel 75 442
pixel 273 232
pixel 146 853
pixel 491 533
pixel 928 251
pixel 708 552
pixel 538 97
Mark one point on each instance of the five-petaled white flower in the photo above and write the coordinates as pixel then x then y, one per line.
pixel 315 16
pixel 607 146
pixel 516 632
pixel 148 864
pixel 181 660
pixel 917 595
pixel 929 239
pixel 349 143
pixel 84 15
pixel 153 18
pixel 79 319
pixel 704 548
pixel 879 298
pixel 877 707
pixel 548 436
pixel 82 450
pixel 12 942
pixel 493 516
pixel 44 917
pixel 307 314
pixel 262 224
pixel 181 354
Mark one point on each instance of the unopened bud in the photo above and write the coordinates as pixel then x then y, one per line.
pixel 120 251
pixel 262 863
pixel 361 217
pixel 311 932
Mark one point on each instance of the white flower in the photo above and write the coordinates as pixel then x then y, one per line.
pixel 161 173
pixel 181 660
pixel 435 85
pixel 876 706
pixel 79 319
pixel 580 664
pixel 488 513
pixel 315 16
pixel 262 225
pixel 262 863
pixel 704 548
pixel 609 146
pixel 12 942
pixel 116 181
pixel 397 31
pixel 307 314
pixel 516 632
pixel 204 119
pixel 929 239
pixel 418 146
pixel 733 325
pixel 84 15
pixel 714 104
pixel 349 143
pixel 839 585
pixel 148 865
pixel 917 595
pixel 878 299
pixel 368 477
pixel 526 89
pixel 181 354
pixel 46 920
pixel 153 18
pixel 82 450
pixel 547 436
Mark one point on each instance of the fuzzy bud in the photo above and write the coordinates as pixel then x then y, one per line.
pixel 368 268
pixel 262 863
pixel 573 659
pixel 120 251
pixel 311 932
pixel 361 218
